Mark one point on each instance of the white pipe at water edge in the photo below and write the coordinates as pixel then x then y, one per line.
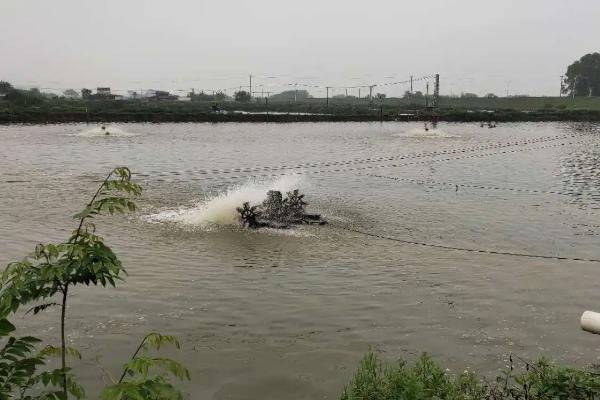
pixel 590 322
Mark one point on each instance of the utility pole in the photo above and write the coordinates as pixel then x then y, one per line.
pixel 359 93
pixel 427 96
pixel 250 87
pixel 371 95
pixel 561 85
pixel 411 86
pixel 296 93
pixel 436 91
pixel 327 103
pixel 346 92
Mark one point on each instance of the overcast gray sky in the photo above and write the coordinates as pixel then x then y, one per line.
pixel 475 45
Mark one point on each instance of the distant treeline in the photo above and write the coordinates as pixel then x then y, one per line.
pixel 33 106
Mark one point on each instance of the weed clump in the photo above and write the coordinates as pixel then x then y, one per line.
pixel 425 379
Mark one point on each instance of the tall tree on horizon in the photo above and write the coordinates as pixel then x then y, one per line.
pixel 5 87
pixel 583 76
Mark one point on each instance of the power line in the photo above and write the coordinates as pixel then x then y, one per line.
pixel 284 84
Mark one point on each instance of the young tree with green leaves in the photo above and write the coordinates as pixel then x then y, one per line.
pixel 52 270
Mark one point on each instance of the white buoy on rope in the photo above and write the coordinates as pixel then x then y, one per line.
pixel 590 322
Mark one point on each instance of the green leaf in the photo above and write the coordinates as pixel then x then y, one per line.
pixel 40 308
pixel 157 340
pixel 156 388
pixel 6 327
pixel 53 351
pixel 143 365
pixel 85 213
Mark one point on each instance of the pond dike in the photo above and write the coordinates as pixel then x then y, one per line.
pixel 448 115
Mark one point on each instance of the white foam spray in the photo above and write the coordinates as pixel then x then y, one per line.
pixel 422 133
pixel 99 132
pixel 221 210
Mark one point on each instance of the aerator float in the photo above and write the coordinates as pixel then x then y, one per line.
pixel 277 212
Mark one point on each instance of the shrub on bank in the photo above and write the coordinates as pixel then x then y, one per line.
pixel 425 379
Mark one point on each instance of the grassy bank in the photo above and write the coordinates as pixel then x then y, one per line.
pixel 449 115
pixel 425 379
pixel 60 110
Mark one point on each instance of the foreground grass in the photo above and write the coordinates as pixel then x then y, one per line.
pixel 425 379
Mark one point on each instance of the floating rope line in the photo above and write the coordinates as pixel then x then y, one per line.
pixel 370 160
pixel 452 184
pixel 363 168
pixel 495 252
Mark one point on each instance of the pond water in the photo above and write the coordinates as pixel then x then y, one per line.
pixel 288 314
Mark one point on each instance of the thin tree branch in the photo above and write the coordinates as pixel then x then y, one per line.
pixel 134 355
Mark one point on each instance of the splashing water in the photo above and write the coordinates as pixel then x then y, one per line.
pixel 221 209
pixel 422 133
pixel 99 132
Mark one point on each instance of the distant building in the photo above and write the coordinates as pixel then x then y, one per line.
pixel 103 93
pixel 163 95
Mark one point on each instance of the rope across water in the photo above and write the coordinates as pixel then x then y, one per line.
pixel 471 250
pixel 358 168
pixel 209 173
pixel 465 185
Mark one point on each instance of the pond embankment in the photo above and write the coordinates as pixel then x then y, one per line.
pixel 36 117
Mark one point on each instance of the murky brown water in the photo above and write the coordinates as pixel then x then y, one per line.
pixel 273 315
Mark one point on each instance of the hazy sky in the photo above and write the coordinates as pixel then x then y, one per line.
pixel 475 45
